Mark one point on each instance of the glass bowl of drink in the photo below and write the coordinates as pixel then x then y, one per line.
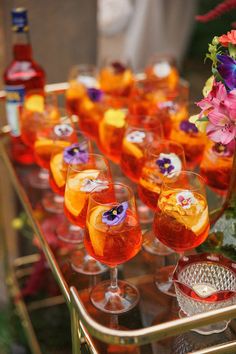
pixel 205 282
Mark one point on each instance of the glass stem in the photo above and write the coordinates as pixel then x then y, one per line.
pixel 58 199
pixel 43 173
pixel 114 283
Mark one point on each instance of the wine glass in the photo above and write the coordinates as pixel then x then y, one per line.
pixel 116 77
pixel 38 108
pixel 81 179
pixel 141 131
pixel 216 165
pixel 60 160
pixel 164 160
pixel 113 236
pixel 162 70
pixel 181 221
pixel 53 137
pixel 111 132
pixel 188 135
pixel 81 77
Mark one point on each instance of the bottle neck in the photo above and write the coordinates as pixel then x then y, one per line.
pixel 22 49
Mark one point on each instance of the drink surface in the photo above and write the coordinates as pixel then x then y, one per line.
pixel 216 166
pixel 181 221
pixel 111 132
pixel 191 139
pixel 22 75
pixel 77 190
pixel 116 79
pixel 112 245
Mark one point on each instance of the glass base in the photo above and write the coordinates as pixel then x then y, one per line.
pixel 153 246
pixel 39 179
pixel 53 203
pixel 114 302
pixel 163 280
pixel 82 263
pixel 69 233
pixel 207 330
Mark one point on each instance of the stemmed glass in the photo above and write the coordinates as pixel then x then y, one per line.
pixel 81 179
pixel 164 160
pixel 181 221
pixel 53 137
pixel 162 70
pixel 116 78
pixel 37 110
pixel 81 77
pixel 141 131
pixel 187 134
pixel 113 236
pixel 60 159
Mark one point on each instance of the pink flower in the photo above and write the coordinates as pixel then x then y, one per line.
pixel 230 37
pixel 222 124
pixel 215 97
pixel 220 108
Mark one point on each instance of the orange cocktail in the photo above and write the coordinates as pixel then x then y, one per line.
pixel 34 113
pixel 216 165
pixel 113 236
pixel 63 134
pixel 181 221
pixel 111 132
pixel 112 245
pixel 60 160
pixel 140 132
pixel 81 77
pixel 164 160
pixel 162 70
pixel 82 178
pixel 116 79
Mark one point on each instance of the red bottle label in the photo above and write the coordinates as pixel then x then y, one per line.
pixel 14 100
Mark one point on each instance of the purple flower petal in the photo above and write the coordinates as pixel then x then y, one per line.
pixel 75 153
pixel 95 94
pixel 227 70
pixel 188 127
pixel 116 215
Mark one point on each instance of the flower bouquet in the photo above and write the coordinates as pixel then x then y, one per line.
pixel 218 119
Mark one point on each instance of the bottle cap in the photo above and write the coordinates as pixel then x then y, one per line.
pixel 19 20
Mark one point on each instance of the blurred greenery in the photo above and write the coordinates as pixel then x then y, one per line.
pixel 204 32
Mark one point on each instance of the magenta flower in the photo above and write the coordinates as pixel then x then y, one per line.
pixel 220 108
pixel 215 97
pixel 222 123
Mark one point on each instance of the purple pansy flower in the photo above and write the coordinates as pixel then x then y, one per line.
pixel 169 164
pixel 188 127
pixel 227 70
pixel 118 67
pixel 95 94
pixel 165 165
pixel 116 215
pixel 75 153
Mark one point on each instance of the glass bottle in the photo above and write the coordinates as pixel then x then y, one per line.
pixel 22 75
